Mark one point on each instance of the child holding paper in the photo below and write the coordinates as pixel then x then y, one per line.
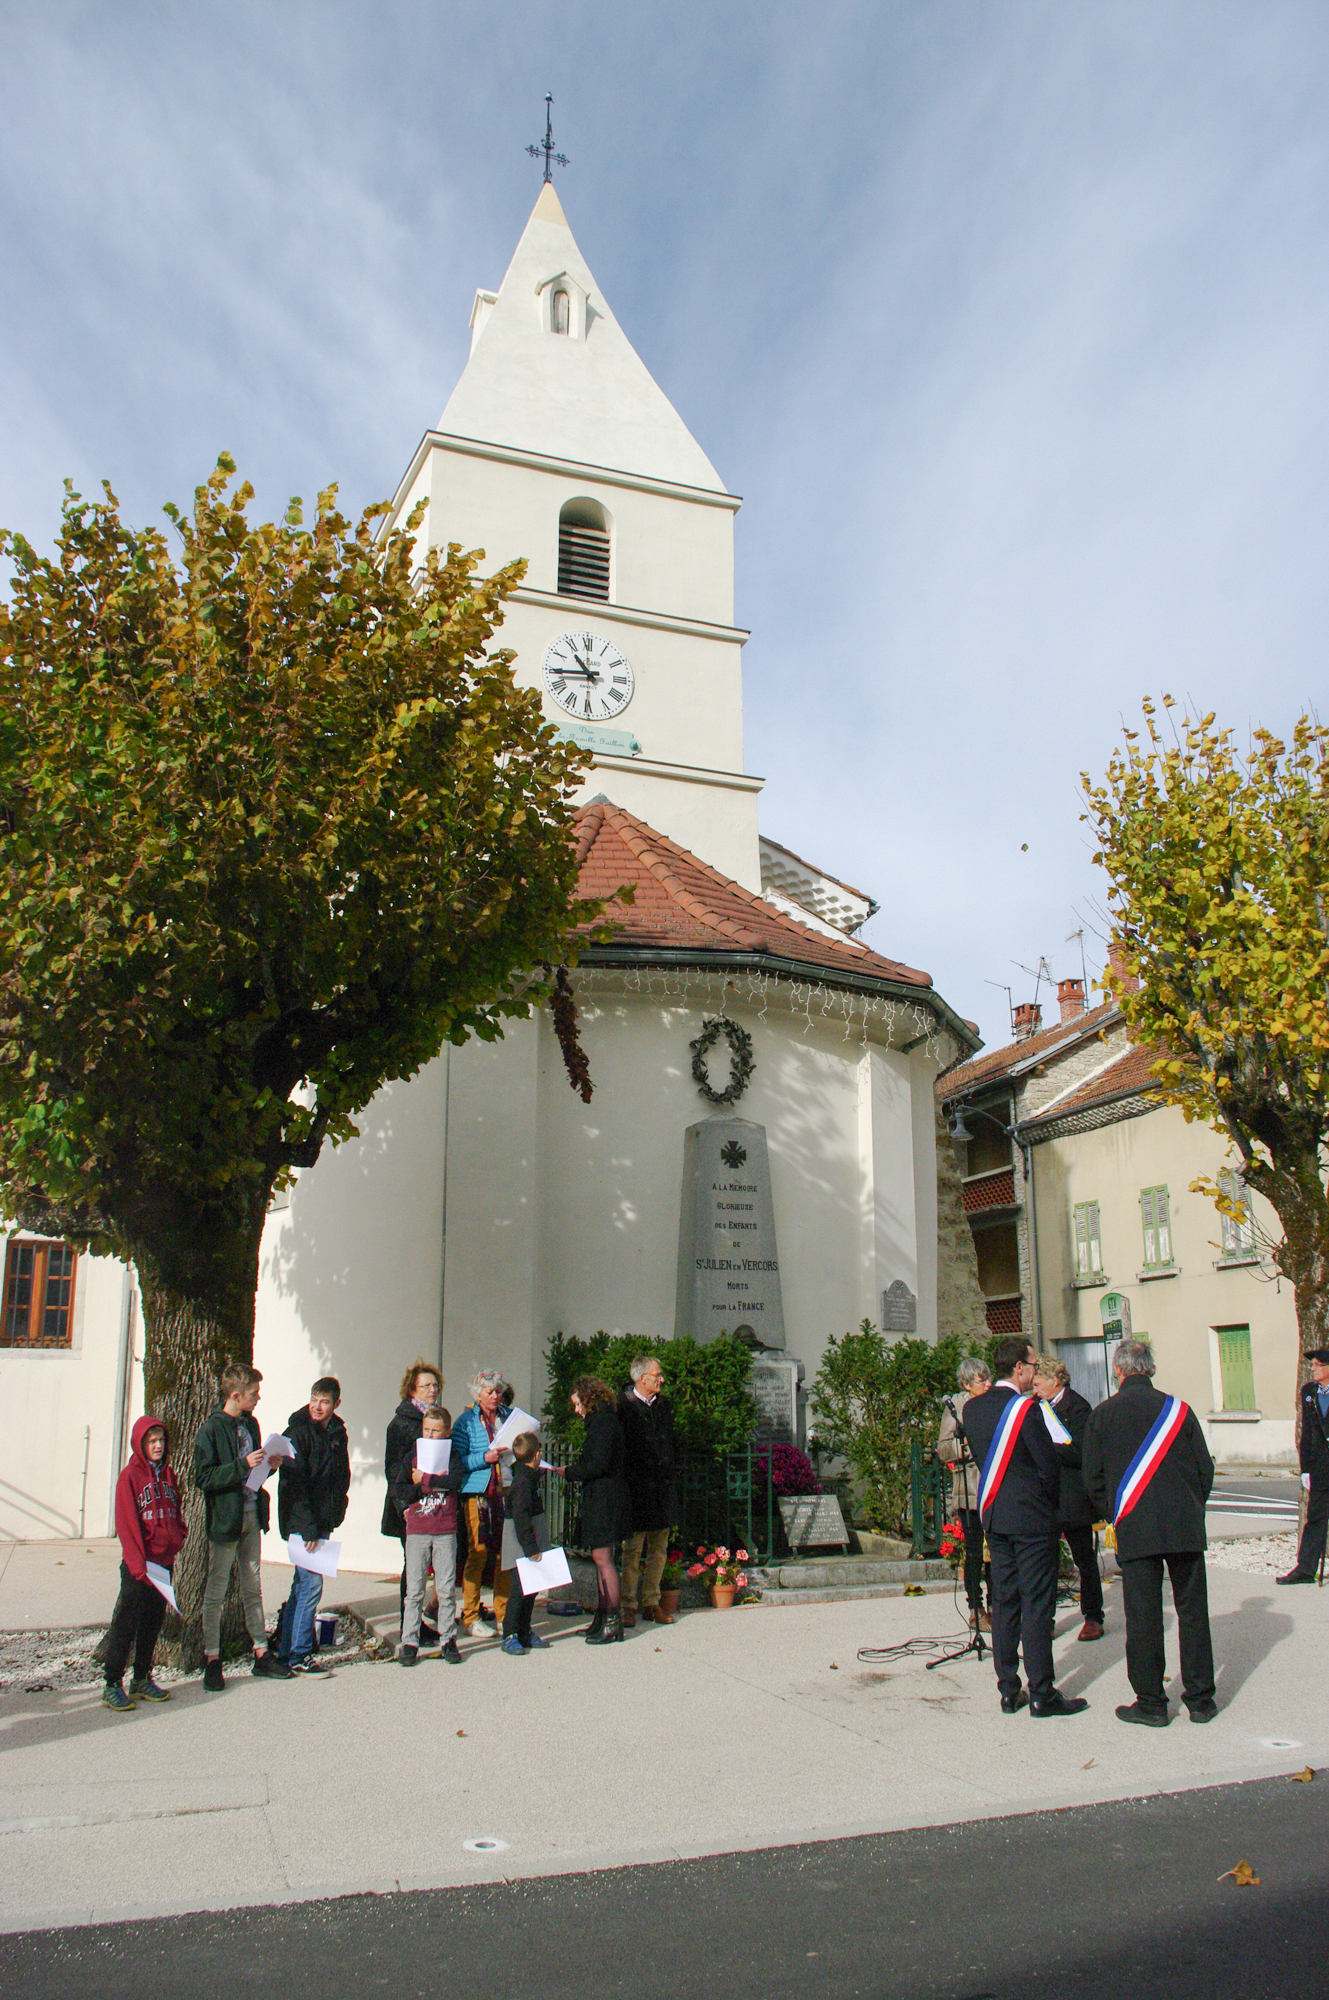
pixel 311 1504
pixel 226 1451
pixel 524 1505
pixel 151 1525
pixel 428 1501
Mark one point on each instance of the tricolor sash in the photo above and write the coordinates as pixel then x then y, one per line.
pixel 1001 1449
pixel 1149 1457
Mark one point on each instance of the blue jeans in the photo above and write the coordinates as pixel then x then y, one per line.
pixel 297 1625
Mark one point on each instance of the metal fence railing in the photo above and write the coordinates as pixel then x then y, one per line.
pixel 723 1496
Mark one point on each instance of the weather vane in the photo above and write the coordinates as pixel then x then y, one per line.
pixel 552 159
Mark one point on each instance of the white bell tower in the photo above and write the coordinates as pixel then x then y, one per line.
pixel 558 446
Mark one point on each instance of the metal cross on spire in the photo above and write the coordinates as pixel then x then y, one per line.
pixel 552 159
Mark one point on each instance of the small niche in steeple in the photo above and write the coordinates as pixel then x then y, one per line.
pixel 564 306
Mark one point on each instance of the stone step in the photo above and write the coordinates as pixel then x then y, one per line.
pixel 848 1572
pixel 837 1595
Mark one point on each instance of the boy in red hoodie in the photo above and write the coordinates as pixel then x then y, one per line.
pixel 151 1525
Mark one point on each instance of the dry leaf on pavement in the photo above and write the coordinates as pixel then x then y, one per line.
pixel 1243 1875
pixel 1301 1777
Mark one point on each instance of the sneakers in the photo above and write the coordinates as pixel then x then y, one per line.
pixel 448 1651
pixel 147 1690
pixel 535 1644
pixel 310 1669
pixel 267 1667
pixel 115 1698
pixel 485 1616
pixel 513 1647
pixel 1297 1576
pixel 409 1655
pixel 214 1680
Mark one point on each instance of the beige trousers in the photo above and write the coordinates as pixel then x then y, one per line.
pixel 644 1556
pixel 222 1558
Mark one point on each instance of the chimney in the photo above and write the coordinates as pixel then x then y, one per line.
pixel 1070 997
pixel 1028 1019
pixel 1129 980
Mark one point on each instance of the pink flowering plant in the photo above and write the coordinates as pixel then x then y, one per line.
pixel 717 1566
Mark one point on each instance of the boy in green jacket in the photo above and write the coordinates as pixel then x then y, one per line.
pixel 226 1450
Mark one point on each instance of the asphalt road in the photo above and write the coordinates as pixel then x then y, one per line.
pixel 1110 1902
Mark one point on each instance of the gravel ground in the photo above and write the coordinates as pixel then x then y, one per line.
pixel 38 1662
pixel 1261 1555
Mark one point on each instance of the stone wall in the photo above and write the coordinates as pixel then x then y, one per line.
pixel 959 1300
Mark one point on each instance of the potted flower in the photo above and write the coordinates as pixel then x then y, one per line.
pixel 720 1569
pixel 671 1582
pixel 952 1542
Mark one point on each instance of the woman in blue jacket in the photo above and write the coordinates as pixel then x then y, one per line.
pixel 481 1497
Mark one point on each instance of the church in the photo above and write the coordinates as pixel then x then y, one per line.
pixel 759 1155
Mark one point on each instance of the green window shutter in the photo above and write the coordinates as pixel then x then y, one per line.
pixel 1238 1233
pixel 1156 1222
pixel 1236 1367
pixel 1082 1240
pixel 1095 1239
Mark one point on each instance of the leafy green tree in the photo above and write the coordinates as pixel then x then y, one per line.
pixel 874 1398
pixel 1218 869
pixel 275 824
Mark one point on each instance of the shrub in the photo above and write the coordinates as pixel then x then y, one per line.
pixel 706 1385
pixel 791 1470
pixel 872 1398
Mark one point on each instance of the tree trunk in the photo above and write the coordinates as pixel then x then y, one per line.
pixel 198 1318
pixel 1297 1193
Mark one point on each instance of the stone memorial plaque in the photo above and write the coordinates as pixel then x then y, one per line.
pixel 728 1266
pixel 813 1521
pixel 899 1309
pixel 774 1386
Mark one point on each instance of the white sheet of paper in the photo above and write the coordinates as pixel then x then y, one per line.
pixel 275 1445
pixel 433 1454
pixel 323 1558
pixel 1057 1430
pixel 160 1579
pixel 550 1573
pixel 511 1554
pixel 512 1427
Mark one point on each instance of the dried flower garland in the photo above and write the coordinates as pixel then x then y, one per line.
pixel 564 1010
pixel 742 1062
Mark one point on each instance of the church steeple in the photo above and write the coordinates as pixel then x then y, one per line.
pixel 551 370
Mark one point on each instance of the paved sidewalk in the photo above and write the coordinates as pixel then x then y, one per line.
pixel 726 1732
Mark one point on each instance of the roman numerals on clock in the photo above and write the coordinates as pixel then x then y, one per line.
pixel 587 676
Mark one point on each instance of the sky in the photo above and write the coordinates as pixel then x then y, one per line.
pixel 1008 320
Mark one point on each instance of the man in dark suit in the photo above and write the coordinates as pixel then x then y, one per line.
pixel 648 1433
pixel 1314 1469
pixel 1075 1513
pixel 1009 1438
pixel 1147 1469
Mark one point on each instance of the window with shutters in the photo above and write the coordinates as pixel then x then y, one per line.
pixel 1238 1231
pixel 1088 1243
pixel 583 550
pixel 1236 1367
pixel 38 1307
pixel 1156 1218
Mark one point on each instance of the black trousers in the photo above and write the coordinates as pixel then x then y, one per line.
pixel 1142 1601
pixel 136 1624
pixel 1024 1604
pixel 1080 1542
pixel 973 1558
pixel 1310 1552
pixel 517 1617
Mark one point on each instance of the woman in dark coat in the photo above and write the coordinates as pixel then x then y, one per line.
pixel 421 1387
pixel 606 1504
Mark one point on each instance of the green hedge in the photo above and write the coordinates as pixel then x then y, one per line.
pixel 707 1385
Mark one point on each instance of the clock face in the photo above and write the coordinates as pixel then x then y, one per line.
pixel 588 676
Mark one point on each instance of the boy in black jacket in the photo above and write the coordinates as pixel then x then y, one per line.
pixel 524 1508
pixel 311 1503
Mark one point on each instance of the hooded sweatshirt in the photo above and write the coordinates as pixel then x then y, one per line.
pixel 148 1516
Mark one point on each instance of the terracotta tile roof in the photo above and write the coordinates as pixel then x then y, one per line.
pixel 996 1063
pixel 682 904
pixel 1129 1074
pixel 813 869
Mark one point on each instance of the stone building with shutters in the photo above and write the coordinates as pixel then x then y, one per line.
pixel 484 1206
pixel 1076 1181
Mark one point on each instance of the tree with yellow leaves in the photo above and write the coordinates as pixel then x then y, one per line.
pixel 1218 864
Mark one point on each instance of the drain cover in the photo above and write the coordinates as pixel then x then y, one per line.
pixel 485 1843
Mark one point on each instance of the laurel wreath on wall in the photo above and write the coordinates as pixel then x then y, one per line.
pixel 742 1062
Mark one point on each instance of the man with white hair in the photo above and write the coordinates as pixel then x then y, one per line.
pixel 1147 1469
pixel 648 1431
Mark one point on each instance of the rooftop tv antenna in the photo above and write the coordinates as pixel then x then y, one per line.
pixel 1037 973
pixel 1010 1004
pixel 552 159
pixel 1077 937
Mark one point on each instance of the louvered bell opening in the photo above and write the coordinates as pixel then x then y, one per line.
pixel 583 561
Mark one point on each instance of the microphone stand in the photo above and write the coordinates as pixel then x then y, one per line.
pixel 976 1645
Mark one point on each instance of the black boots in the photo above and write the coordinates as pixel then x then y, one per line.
pixel 594 1628
pixel 611 1628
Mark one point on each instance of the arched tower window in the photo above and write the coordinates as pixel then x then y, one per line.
pixel 558 312
pixel 583 548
